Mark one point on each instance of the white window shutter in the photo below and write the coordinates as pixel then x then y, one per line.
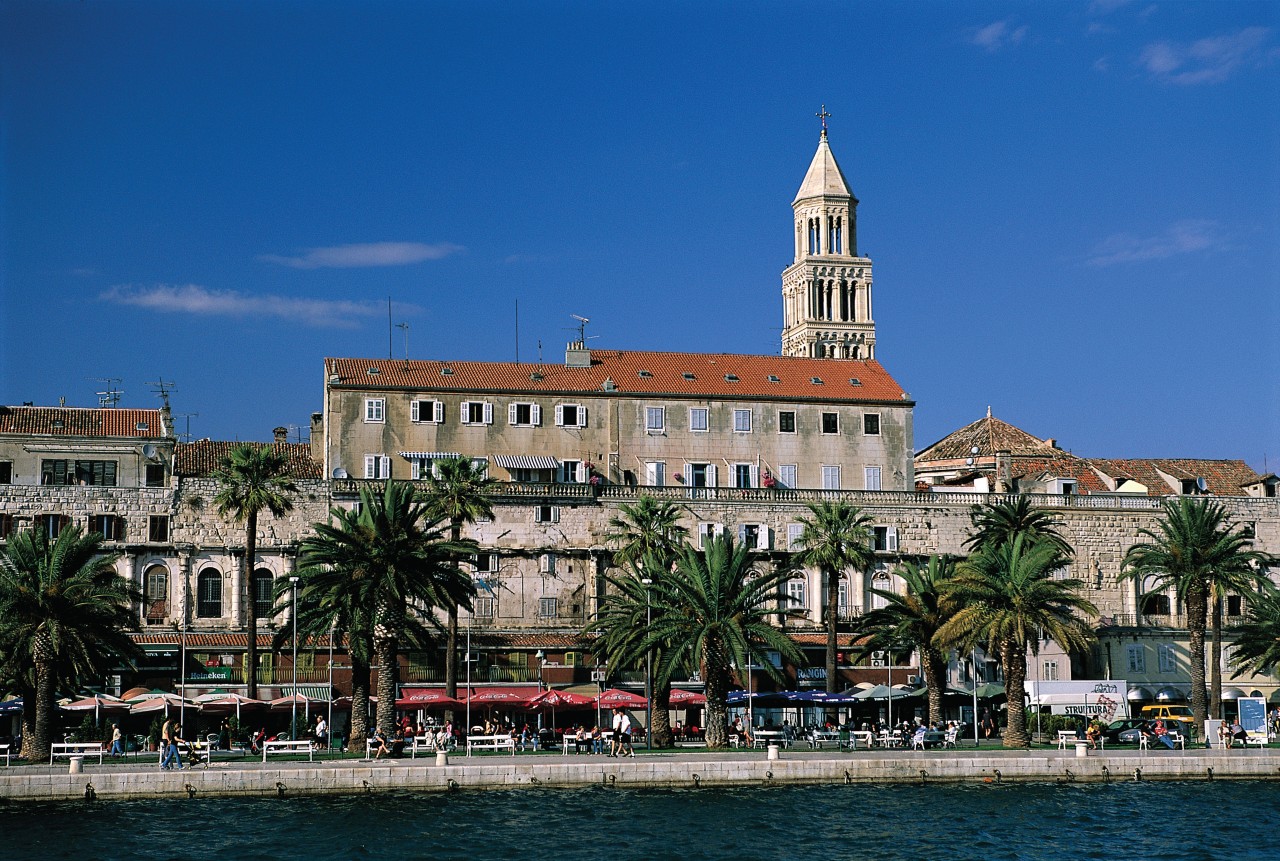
pixel 413 410
pixel 755 475
pixel 711 475
pixel 688 474
pixel 537 415
pixel 762 538
pixel 511 414
pixel 370 466
pixel 415 468
pixel 582 416
pixel 544 563
pixel 438 411
pixel 651 474
pixel 891 539
pixel 384 467
pixel 582 473
pixel 559 415
pixel 465 408
pixel 719 529
pixel 488 413
pixel 555 514
pixel 742 534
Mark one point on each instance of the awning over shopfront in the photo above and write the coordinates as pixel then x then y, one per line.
pixel 526 461
pixel 311 692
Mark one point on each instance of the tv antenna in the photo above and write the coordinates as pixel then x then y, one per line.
pixel 111 396
pixel 405 328
pixel 162 388
pixel 185 436
pixel 582 329
pixel 297 431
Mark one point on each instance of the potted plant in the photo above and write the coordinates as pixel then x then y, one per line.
pixel 153 734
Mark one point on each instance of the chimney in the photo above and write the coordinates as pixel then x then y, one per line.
pixel 1051 442
pixel 576 355
pixel 281 434
pixel 1004 471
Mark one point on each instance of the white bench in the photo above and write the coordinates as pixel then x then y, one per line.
pixel 76 748
pixel 1066 738
pixel 491 742
pixel 301 745
pixel 4 751
pixel 1178 739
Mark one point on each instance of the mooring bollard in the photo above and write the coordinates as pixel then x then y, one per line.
pixel 772 751
pixel 77 765
pixel 1082 749
pixel 442 757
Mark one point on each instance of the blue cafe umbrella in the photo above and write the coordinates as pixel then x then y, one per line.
pixel 11 707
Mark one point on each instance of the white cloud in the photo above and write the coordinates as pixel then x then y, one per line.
pixel 197 300
pixel 997 35
pixel 364 255
pixel 1207 61
pixel 1181 237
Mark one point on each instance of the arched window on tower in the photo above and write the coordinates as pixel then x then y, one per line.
pixel 831 233
pixel 813 236
pixel 838 245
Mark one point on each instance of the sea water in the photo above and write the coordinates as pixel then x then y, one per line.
pixel 1121 820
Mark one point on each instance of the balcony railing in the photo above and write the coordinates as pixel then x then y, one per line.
pixel 1143 620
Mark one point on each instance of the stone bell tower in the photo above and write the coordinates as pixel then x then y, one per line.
pixel 826 291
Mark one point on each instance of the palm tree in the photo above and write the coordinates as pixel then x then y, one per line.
pixel 253 480
pixel 836 537
pixel 714 608
pixel 620 631
pixel 384 570
pixel 999 522
pixel 1257 636
pixel 1007 597
pixel 915 617
pixel 1196 550
pixel 649 528
pixel 458 490
pixel 64 609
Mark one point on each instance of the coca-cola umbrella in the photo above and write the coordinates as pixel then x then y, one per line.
pixel 680 697
pixel 425 698
pixel 515 697
pixel 554 699
pixel 614 697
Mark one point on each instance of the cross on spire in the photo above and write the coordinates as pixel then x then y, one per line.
pixel 822 115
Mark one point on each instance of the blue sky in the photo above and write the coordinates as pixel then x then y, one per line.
pixel 1073 208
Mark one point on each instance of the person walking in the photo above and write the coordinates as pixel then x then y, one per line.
pixel 615 740
pixel 322 733
pixel 624 738
pixel 171 732
pixel 117 741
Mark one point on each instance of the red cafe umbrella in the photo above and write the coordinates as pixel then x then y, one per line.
pixel 681 697
pixel 614 697
pixel 230 703
pixel 425 698
pixel 99 703
pixel 554 699
pixel 164 702
pixel 517 697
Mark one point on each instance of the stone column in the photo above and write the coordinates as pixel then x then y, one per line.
pixel 237 589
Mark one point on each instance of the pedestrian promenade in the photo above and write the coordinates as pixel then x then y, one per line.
pixel 142 778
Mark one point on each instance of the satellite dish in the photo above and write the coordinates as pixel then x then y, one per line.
pixel 1202 485
pixel 339 473
pixel 968 461
pixel 973 450
pixel 149 452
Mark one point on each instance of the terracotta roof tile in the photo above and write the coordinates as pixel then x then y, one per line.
pixel 676 374
pixel 83 421
pixel 202 457
pixel 989 435
pixel 1222 477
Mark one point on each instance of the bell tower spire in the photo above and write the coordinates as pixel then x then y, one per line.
pixel 826 291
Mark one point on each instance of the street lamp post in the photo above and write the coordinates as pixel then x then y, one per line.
pixel 329 721
pixel 975 696
pixel 467 729
pixel 542 662
pixel 648 667
pixel 293 582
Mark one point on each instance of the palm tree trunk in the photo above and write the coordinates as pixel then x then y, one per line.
pixel 386 649
pixel 833 612
pixel 359 702
pixel 1013 660
pixel 1215 661
pixel 39 750
pixel 715 670
pixel 934 668
pixel 660 732
pixel 28 722
pixel 451 647
pixel 251 614
pixel 1197 609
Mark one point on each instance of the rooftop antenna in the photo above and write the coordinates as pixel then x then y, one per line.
pixel 539 351
pixel 162 388
pixel 390 330
pixel 517 331
pixel 405 327
pixel 297 431
pixel 110 397
pixel 582 328
pixel 185 436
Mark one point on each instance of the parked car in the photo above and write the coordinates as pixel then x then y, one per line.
pixel 1112 731
pixel 1133 734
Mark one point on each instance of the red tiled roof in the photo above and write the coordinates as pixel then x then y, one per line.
pixel 83 421
pixel 664 374
pixel 1222 477
pixel 1062 466
pixel 204 456
pixel 989 435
